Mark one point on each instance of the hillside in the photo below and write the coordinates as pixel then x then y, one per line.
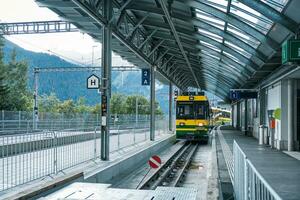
pixel 72 85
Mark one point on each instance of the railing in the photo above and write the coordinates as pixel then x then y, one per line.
pixel 25 157
pixel 248 182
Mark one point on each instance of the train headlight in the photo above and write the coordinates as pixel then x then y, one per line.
pixel 200 124
pixel 181 123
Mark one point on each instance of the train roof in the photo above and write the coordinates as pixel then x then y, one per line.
pixel 192 98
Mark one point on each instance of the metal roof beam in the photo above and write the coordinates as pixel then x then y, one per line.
pixel 171 24
pixel 201 24
pixel 85 7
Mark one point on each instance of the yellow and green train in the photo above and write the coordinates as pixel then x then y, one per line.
pixel 192 117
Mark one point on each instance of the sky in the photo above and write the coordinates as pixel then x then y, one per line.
pixel 61 44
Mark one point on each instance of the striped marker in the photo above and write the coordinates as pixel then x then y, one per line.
pixel 154 162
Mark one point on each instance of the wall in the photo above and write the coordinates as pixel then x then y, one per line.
pixel 273 100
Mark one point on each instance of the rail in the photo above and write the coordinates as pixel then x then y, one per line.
pixel 173 170
pixel 249 184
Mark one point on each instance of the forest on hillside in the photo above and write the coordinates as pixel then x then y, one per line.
pixel 15 94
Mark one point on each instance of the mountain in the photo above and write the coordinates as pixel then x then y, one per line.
pixel 72 85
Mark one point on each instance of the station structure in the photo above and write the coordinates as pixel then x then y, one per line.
pixel 246 52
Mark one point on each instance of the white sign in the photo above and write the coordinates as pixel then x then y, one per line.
pixel 93 82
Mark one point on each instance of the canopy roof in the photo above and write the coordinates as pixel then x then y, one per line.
pixel 216 45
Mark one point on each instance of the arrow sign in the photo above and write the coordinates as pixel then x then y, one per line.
pixel 93 82
pixel 145 76
pixel 154 162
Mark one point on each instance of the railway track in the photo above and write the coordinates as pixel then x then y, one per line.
pixel 171 173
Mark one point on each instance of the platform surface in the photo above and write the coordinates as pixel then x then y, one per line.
pixel 104 192
pixel 279 169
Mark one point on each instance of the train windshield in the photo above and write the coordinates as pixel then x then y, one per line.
pixel 192 110
pixel 185 110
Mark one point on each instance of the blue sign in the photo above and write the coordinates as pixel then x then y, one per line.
pixel 237 95
pixel 234 95
pixel 145 76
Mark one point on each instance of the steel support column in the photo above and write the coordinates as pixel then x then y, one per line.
pixel 262 107
pixel 246 117
pixel 152 104
pixel 106 81
pixel 171 107
pixel 290 119
pixel 238 115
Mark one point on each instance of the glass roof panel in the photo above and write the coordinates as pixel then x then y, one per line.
pixel 210 35
pixel 276 4
pixel 238 49
pixel 210 46
pixel 244 37
pixel 250 16
pixel 209 54
pixel 234 58
pixel 219 4
pixel 210 19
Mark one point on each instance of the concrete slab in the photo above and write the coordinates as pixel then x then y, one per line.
pixel 104 192
pixel 294 154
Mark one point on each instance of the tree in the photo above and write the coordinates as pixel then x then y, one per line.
pixel 49 103
pixel 81 106
pixel 67 107
pixel 17 83
pixel 117 104
pixel 3 86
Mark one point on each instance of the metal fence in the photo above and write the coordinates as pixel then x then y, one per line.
pixel 248 182
pixel 12 122
pixel 25 157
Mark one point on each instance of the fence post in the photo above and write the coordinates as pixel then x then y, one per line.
pixel 246 179
pixel 2 120
pixel 27 126
pixel 134 134
pixel 95 143
pixel 118 137
pixel 55 152
pixel 19 120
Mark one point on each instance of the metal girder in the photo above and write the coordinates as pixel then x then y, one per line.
pixel 201 24
pixel 77 69
pixel 272 14
pixel 155 47
pixel 98 18
pixel 36 27
pixel 175 34
pixel 136 26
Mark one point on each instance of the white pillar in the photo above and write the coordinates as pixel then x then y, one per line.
pixel 290 119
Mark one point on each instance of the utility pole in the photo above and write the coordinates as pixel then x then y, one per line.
pixel 106 81
pixel 35 114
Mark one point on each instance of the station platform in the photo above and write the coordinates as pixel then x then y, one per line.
pixel 279 170
pixel 94 171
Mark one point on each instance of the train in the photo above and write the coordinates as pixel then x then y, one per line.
pixel 192 117
pixel 220 116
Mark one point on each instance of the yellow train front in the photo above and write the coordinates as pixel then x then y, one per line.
pixel 192 117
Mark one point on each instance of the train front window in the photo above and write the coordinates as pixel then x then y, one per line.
pixel 200 111
pixel 185 110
